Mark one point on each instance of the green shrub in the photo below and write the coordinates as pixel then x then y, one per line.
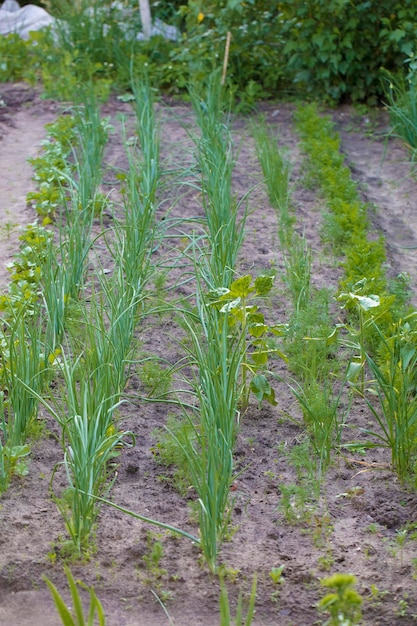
pixel 335 49
pixel 14 57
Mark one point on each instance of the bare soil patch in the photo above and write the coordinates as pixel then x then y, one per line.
pixel 352 528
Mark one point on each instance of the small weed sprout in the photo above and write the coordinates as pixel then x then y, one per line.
pixel 154 555
pixel 225 617
pixel 276 574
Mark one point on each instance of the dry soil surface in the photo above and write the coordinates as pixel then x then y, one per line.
pixel 354 525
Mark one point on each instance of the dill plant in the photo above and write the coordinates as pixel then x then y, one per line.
pixel 364 284
pixel 347 223
pixel 297 263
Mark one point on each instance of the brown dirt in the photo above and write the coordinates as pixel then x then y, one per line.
pixel 335 536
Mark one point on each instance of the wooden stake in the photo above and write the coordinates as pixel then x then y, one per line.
pixel 226 57
pixel 145 17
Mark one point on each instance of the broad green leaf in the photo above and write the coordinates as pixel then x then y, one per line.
pixel 262 390
pixel 268 351
pixel 16 452
pixel 217 295
pixel 353 371
pixel 397 34
pixel 406 355
pixel 334 336
pixel 260 357
pixel 126 97
pixel 279 330
pixel 241 287
pixel 263 284
pixel 230 306
pixel 257 330
pixel 366 302
pixel 407 48
pixel 235 4
pixel 255 317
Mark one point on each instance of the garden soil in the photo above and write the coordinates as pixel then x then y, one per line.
pixel 352 527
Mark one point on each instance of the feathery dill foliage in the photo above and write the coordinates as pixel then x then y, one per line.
pixel 347 227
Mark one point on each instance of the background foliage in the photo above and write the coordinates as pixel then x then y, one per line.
pixel 336 49
pixel 331 50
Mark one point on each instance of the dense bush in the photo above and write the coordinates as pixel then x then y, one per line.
pixel 335 49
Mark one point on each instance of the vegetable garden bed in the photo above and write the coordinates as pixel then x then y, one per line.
pixel 294 521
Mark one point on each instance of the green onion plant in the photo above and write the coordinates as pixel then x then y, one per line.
pixel 324 414
pixel 401 94
pixel 83 196
pixel 55 295
pixel 90 440
pixel 209 448
pixel 393 384
pixel 134 235
pixel 297 263
pixel 276 170
pixel 216 163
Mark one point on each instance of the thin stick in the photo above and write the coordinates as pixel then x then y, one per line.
pixel 226 57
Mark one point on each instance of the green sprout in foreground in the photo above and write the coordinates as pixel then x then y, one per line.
pixel 76 617
pixel 343 603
